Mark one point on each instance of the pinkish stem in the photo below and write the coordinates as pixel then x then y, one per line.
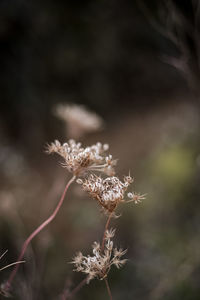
pixel 108 288
pixel 105 229
pixel 35 232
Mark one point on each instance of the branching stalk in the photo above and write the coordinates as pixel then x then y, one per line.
pixel 36 232
pixel 106 228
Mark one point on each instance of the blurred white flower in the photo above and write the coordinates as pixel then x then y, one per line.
pixel 78 119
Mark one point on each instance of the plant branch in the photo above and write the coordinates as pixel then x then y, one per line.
pixel 36 232
pixel 106 228
pixel 108 288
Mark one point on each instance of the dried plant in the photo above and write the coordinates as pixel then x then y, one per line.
pixel 109 192
pixel 79 160
pixel 98 265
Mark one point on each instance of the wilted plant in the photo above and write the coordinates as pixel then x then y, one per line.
pixel 109 192
pixel 98 265
pixel 79 160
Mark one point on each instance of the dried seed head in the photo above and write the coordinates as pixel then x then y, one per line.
pixel 109 192
pixel 79 160
pixel 98 265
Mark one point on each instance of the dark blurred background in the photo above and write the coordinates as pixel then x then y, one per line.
pixel 136 64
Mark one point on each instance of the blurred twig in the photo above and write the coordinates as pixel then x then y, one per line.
pixel 172 22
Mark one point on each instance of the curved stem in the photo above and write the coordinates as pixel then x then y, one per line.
pixel 106 228
pixel 36 231
pixel 108 288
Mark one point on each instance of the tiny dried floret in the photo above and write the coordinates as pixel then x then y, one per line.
pixel 109 234
pixel 79 160
pixel 137 198
pixel 109 192
pixel 98 265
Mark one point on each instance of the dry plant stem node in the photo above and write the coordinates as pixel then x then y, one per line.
pixel 106 228
pixel 102 248
pixel 36 232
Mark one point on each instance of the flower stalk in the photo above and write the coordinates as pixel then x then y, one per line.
pixel 105 230
pixel 36 232
pixel 108 191
pixel 108 288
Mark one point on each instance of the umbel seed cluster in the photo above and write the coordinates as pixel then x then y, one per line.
pixel 98 265
pixel 79 160
pixel 109 192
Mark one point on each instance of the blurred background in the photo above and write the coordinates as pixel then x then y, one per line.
pixel 136 65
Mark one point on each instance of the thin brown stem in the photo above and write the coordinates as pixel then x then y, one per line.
pixel 108 288
pixel 76 289
pixel 66 290
pixel 36 232
pixel 106 228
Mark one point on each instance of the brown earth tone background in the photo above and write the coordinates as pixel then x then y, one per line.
pixel 136 64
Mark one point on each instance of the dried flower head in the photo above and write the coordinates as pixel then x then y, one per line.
pixel 109 192
pixel 79 120
pixel 137 198
pixel 79 160
pixel 98 265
